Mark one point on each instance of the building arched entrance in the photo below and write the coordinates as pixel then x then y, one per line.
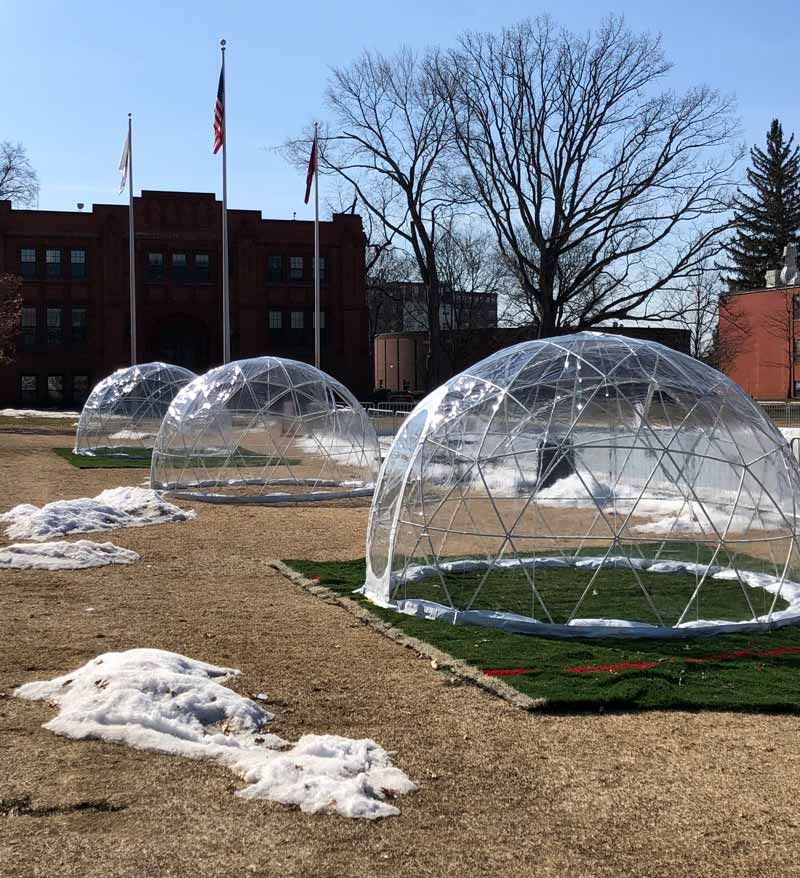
pixel 182 340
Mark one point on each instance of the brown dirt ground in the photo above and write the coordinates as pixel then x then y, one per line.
pixel 500 790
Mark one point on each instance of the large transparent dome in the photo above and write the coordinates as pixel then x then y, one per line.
pixel 123 413
pixel 265 430
pixel 588 484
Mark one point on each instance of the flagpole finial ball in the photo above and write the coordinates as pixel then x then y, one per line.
pixel 222 44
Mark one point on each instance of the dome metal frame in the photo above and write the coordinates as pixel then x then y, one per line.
pixel 591 452
pixel 266 430
pixel 123 413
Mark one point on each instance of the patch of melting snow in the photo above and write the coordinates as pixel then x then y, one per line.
pixel 116 507
pixel 161 701
pixel 133 434
pixel 35 413
pixel 63 556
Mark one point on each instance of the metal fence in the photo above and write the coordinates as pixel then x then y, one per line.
pixel 782 414
pixel 386 417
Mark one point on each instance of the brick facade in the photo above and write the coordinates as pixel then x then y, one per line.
pixel 76 325
pixel 759 346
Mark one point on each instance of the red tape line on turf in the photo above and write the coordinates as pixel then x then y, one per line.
pixel 718 657
pixel 643 665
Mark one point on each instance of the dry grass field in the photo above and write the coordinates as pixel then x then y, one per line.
pixel 500 791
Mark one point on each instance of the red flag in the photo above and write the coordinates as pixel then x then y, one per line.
pixel 312 167
pixel 219 113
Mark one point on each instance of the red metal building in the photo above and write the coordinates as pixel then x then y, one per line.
pixel 759 341
pixel 76 326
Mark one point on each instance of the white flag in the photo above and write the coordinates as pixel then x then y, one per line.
pixel 123 163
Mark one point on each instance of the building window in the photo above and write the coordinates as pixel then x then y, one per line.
pixel 321 319
pixel 179 266
pixel 79 326
pixel 54 325
pixel 297 320
pixel 155 266
pixel 295 268
pixel 28 326
pixel 55 388
pixel 275 268
pixel 323 269
pixel 52 260
pixel 201 265
pixel 28 388
pixel 77 263
pixel 275 319
pixel 80 388
pixel 27 262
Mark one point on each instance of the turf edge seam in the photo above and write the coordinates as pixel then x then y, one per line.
pixel 459 668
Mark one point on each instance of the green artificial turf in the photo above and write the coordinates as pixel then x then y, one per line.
pixel 678 681
pixel 99 462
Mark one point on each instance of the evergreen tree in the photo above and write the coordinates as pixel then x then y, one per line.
pixel 769 218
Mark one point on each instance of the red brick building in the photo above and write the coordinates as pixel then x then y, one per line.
pixel 759 338
pixel 76 324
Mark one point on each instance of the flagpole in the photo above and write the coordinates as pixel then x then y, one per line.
pixel 316 248
pixel 226 316
pixel 131 246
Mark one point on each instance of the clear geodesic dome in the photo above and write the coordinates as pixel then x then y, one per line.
pixel 123 413
pixel 265 430
pixel 588 484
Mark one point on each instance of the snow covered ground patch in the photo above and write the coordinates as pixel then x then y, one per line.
pixel 34 413
pixel 63 556
pixel 135 435
pixel 156 700
pixel 116 507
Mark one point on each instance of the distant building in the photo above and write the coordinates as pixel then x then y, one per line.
pixel 759 340
pixel 75 323
pixel 400 358
pixel 403 307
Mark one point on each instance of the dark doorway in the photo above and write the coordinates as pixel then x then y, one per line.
pixel 183 341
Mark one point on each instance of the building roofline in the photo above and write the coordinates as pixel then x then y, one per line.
pixel 8 209
pixel 775 289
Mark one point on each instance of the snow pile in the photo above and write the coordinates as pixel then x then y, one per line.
pixel 134 435
pixel 33 413
pixel 63 556
pixel 573 487
pixel 116 507
pixel 162 701
pixel 669 511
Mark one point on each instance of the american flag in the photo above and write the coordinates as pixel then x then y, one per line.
pixel 219 113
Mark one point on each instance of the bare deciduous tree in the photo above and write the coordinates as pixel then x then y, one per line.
pixel 18 181
pixel 599 189
pixel 10 313
pixel 387 137
pixel 471 272
pixel 695 308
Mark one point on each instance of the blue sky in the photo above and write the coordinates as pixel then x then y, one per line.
pixel 74 70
